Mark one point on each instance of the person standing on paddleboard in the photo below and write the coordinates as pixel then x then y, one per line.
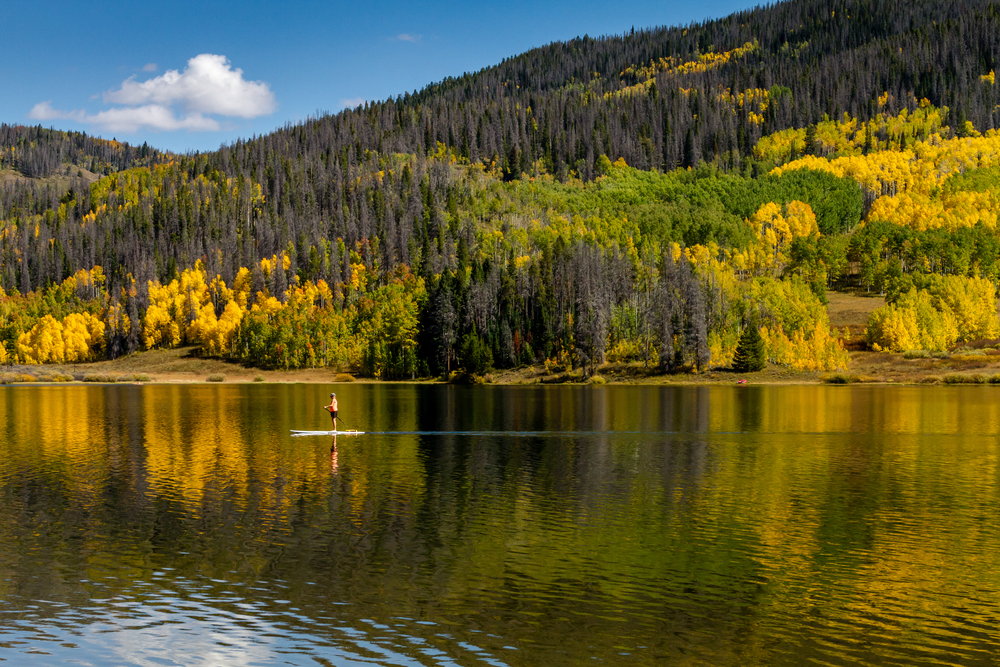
pixel 333 410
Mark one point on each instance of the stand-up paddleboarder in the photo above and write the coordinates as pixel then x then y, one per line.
pixel 333 410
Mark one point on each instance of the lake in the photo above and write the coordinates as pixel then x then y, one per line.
pixel 616 525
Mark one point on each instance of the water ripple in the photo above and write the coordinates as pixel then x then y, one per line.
pixel 785 526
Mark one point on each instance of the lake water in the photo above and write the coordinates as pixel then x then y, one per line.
pixel 183 525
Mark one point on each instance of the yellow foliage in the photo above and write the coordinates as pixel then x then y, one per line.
pixel 218 292
pixel 800 220
pixel 173 306
pixel 809 349
pixel 703 63
pixel 910 324
pixel 86 283
pixel 324 295
pixel 775 228
pixel 159 329
pixel 77 338
pixel 781 145
pixel 625 350
pixel 972 302
pixel 83 336
pixel 905 185
pixel 952 309
pixel 676 67
pixel 43 343
pixel 848 136
pixel 266 304
pixel 216 334
pixel 798 333
pixel 950 211
pixel 184 311
pixel 242 286
pixel 722 345
pixel 269 265
pixel 359 277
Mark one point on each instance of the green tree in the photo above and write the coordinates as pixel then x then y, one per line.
pixel 750 351
pixel 477 358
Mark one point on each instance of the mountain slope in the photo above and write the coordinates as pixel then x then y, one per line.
pixel 433 192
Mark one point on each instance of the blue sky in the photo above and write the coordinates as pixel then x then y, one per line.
pixel 193 75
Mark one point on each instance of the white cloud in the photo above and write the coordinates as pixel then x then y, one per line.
pixel 153 116
pixel 352 102
pixel 208 85
pixel 129 119
pixel 149 67
pixel 407 37
pixel 44 111
pixel 186 100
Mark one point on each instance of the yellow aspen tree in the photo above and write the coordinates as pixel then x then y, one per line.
pixel 159 329
pixel 221 342
pixel 43 343
pixel 893 329
pixel 202 327
pixel 775 228
pixel 242 287
pixel 83 336
pixel 971 301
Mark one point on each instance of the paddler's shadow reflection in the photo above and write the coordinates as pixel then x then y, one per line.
pixel 333 456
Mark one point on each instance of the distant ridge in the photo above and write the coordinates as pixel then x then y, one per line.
pixel 568 102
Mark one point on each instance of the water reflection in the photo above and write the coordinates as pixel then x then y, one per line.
pixel 334 466
pixel 517 526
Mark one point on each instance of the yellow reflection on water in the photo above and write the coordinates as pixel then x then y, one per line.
pixel 61 424
pixel 858 409
pixel 193 436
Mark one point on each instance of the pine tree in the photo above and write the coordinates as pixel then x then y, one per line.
pixel 811 145
pixel 750 352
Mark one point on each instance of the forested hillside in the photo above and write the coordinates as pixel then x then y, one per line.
pixel 637 197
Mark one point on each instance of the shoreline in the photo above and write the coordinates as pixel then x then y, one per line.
pixel 183 366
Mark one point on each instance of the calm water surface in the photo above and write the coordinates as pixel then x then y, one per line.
pixel 183 525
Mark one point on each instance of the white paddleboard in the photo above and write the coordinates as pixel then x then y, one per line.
pixel 299 433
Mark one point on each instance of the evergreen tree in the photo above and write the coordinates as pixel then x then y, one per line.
pixel 811 144
pixel 477 358
pixel 750 351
